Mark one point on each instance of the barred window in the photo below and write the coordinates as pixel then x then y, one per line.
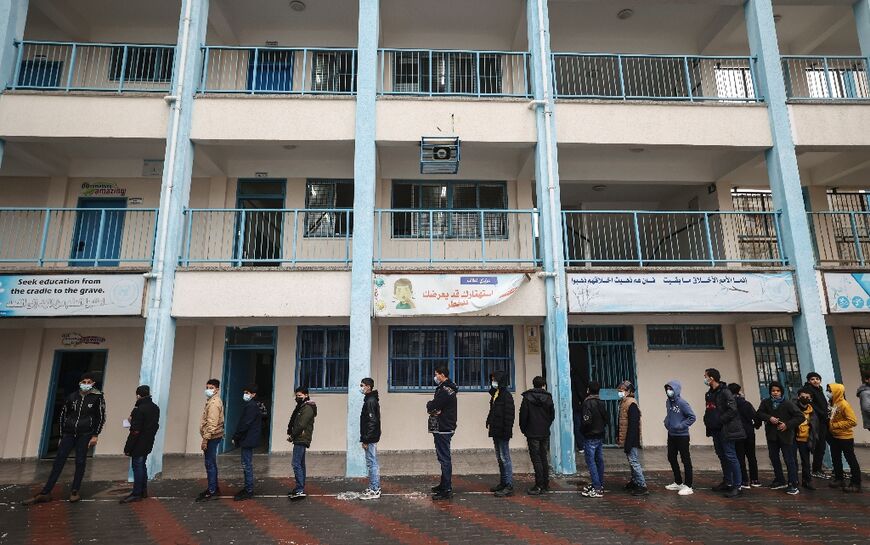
pixel 336 198
pixel 454 198
pixel 322 357
pixel 862 344
pixel 145 64
pixel 684 337
pixel 333 71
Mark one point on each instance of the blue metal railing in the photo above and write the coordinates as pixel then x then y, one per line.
pixel 657 238
pixel 267 237
pixel 431 72
pixel 74 66
pixel 654 77
pixel 97 237
pixel 842 238
pixel 437 236
pixel 826 78
pixel 279 70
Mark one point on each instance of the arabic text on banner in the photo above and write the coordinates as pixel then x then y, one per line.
pixel 441 294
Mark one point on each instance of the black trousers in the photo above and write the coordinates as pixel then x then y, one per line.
pixel 803 449
pixel 746 455
pixel 539 452
pixel 820 447
pixel 680 445
pixel 845 448
pixel 68 444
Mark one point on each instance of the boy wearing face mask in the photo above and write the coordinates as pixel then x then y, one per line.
pixel 81 421
pixel 628 437
pixel 369 435
pixel 211 429
pixel 144 423
pixel 500 423
pixel 442 408
pixel 781 420
pixel 300 432
pixel 822 410
pixel 679 417
pixel 247 437
pixel 807 435
pixel 842 424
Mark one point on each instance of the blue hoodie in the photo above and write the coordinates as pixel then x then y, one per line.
pixel 679 414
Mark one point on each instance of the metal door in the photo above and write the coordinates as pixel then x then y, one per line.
pixel 776 358
pixel 98 233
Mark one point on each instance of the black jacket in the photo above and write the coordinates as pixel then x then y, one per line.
pixel 820 406
pixel 144 423
pixel 721 414
pixel 537 413
pixel 370 419
pixel 444 401
pixel 595 417
pixel 747 416
pixel 83 414
pixel 250 425
pixel 502 411
pixel 787 412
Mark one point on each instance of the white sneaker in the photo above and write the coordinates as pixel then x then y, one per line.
pixel 686 491
pixel 674 486
pixel 370 494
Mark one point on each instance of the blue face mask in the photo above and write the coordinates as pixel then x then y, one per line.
pixel 86 387
pixel 621 394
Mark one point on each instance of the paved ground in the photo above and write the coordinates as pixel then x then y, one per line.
pixel 406 515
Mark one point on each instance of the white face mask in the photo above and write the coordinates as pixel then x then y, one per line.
pixel 670 393
pixel 209 392
pixel 362 390
pixel 85 387
pixel 494 384
pixel 436 379
pixel 621 394
pixel 246 397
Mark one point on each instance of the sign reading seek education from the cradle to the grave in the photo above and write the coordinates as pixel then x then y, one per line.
pixel 441 294
pixel 71 295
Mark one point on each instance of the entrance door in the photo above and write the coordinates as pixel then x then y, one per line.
pixel 97 235
pixel 69 366
pixel 250 358
pixel 776 358
pixel 260 228
pixel 604 354
pixel 273 71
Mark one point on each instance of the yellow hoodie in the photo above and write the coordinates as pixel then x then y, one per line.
pixel 842 416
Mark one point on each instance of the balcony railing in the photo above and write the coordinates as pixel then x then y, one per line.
pixel 278 70
pixel 86 237
pixel 841 238
pixel 456 236
pixel 70 66
pixel 654 77
pixel 429 72
pixel 826 78
pixel 648 239
pixel 272 238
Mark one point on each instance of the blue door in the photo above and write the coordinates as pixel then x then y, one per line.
pixel 249 358
pixel 98 233
pixel 270 71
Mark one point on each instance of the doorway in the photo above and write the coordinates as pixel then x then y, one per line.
pixel 260 223
pixel 249 358
pixel 98 233
pixel 68 367
pixel 604 354
pixel 776 358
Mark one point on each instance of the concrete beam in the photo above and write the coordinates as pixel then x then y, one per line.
pixel 207 164
pixel 831 172
pixel 221 24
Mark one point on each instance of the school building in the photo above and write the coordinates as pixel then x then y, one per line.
pixel 309 192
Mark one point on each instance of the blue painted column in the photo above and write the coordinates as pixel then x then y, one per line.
pixel 13 16
pixel 159 343
pixel 861 9
pixel 782 169
pixel 365 181
pixel 552 251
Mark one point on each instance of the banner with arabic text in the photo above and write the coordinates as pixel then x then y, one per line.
pixel 681 292
pixel 71 295
pixel 847 292
pixel 441 294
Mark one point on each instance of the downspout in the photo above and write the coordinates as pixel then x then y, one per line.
pixel 166 198
pixel 551 186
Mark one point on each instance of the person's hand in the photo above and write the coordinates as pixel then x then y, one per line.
pixel 364 446
pixel 93 442
pixel 781 426
pixel 289 439
pixel 774 420
pixel 204 445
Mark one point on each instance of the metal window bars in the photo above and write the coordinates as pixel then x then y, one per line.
pixel 842 238
pixel 826 78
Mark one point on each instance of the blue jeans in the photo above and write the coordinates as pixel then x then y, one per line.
pixel 299 466
pixel 140 475
pixel 727 452
pixel 503 455
pixel 211 471
pixel 248 468
pixel 593 451
pixel 636 469
pixel 373 467
pixel 442 452
pixel 68 443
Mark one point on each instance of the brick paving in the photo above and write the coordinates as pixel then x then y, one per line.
pixel 405 515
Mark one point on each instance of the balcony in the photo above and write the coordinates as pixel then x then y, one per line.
pixel 826 78
pixel 279 70
pixel 842 238
pixel 73 66
pixel 673 238
pixel 654 77
pixel 76 237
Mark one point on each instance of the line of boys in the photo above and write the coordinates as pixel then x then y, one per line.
pixel 791 429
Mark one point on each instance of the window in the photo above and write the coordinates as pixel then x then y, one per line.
pixel 144 64
pixel 333 71
pixel 684 337
pixel 756 233
pixel 841 82
pixel 453 197
pixel 441 72
pixel 322 356
pixel 734 82
pixel 331 195
pixel 862 344
pixel 470 353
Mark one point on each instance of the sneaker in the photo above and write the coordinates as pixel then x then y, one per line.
pixel 792 490
pixel 442 495
pixel 640 491
pixel 436 488
pixel 722 487
pixel 508 490
pixel 820 475
pixel 630 485
pixel 808 485
pixel 755 484
pixel 745 486
pixel 686 491
pixel 296 495
pixel 836 483
pixel 243 495
pixel 39 498
pixel 498 488
pixel 852 488
pixel 674 487
pixel 206 495
pixel 74 496
pixel 581 451
pixel 593 493
pixel 586 488
pixel 370 494
pixel 734 492
pixel 534 491
pixel 777 485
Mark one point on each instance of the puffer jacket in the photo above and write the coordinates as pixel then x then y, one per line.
pixel 83 414
pixel 144 423
pixel 370 419
pixel 300 429
pixel 500 420
pixel 211 424
pixel 537 413
pixel 785 411
pixel 721 414
pixel 843 420
pixel 808 431
pixel 444 403
pixel 629 431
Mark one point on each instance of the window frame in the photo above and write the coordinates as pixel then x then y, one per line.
pixel 322 359
pixel 160 70
pixel 684 345
pixel 333 232
pixel 451 358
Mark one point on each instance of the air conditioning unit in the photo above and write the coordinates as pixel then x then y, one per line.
pixel 439 155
